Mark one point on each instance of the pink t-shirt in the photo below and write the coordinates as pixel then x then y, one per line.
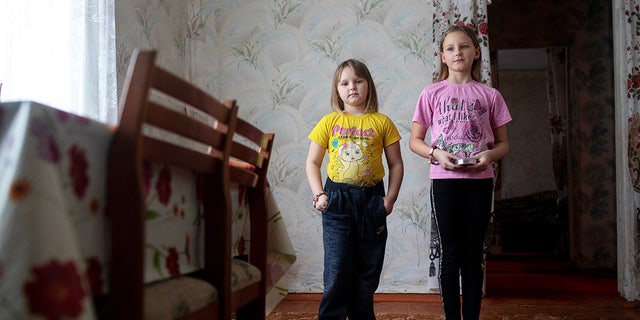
pixel 461 118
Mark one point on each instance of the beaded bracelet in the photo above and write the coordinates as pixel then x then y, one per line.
pixel 317 196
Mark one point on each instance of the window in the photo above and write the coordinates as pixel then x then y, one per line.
pixel 60 53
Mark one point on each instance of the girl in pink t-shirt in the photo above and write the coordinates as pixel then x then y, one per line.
pixel 467 122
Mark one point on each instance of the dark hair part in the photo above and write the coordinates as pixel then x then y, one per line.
pixel 361 70
pixel 475 68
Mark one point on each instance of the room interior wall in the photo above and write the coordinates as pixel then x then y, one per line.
pixel 277 58
pixel 528 168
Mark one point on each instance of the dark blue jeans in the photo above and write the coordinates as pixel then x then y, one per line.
pixel 354 230
pixel 463 210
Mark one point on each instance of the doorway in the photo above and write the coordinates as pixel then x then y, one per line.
pixel 585 27
pixel 533 190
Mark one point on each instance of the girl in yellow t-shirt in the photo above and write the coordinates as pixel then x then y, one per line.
pixel 353 202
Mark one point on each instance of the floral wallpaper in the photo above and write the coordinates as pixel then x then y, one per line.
pixel 277 59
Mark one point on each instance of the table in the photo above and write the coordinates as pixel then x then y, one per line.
pixel 53 233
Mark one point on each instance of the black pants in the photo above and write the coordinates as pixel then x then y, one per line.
pixel 462 210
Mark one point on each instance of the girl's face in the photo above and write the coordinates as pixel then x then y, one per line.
pixel 353 90
pixel 458 52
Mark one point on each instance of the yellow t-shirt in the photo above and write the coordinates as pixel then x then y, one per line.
pixel 355 145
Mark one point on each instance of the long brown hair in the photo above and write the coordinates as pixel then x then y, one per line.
pixel 361 70
pixel 475 68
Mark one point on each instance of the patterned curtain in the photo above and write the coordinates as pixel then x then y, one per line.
pixel 472 14
pixel 633 89
pixel 631 68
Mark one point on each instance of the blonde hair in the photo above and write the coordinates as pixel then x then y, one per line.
pixel 475 68
pixel 361 70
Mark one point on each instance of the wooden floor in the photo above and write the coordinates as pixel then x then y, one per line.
pixel 515 290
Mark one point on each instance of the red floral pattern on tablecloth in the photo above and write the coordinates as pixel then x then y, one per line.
pixel 55 291
pixel 62 116
pixel 178 208
pixel 172 263
pixel 94 206
pixel 94 273
pixel 78 168
pixel 20 189
pixel 163 185
pixel 242 246
pixel 170 202
pixel 47 145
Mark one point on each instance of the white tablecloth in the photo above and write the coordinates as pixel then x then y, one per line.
pixel 53 233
